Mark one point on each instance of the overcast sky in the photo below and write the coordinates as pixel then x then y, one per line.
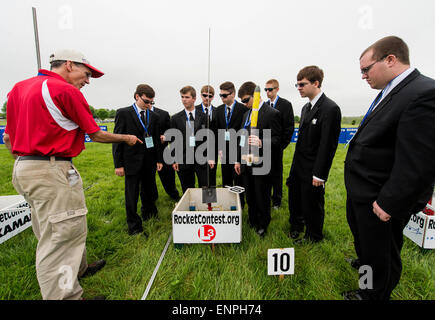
pixel 165 44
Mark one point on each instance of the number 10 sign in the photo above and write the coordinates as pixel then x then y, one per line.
pixel 280 261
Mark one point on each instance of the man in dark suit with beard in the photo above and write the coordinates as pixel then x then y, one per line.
pixel 138 163
pixel 319 131
pixel 389 168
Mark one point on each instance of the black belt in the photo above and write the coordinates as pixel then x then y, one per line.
pixel 47 158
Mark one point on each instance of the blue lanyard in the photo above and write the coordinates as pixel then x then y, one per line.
pixel 203 109
pixel 248 118
pixel 274 102
pixel 140 120
pixel 228 120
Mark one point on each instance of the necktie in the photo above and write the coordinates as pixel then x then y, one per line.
pixel 307 111
pixel 191 117
pixel 206 112
pixel 373 105
pixel 228 113
pixel 271 104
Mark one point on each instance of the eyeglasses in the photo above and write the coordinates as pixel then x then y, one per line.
pixel 366 70
pixel 301 84
pixel 205 95
pixel 225 95
pixel 246 100
pixel 148 101
pixel 269 89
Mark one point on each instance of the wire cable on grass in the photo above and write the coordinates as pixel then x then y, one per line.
pixel 156 269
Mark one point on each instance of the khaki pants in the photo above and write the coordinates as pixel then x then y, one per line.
pixel 58 222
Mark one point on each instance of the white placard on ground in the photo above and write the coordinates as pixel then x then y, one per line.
pixel 280 261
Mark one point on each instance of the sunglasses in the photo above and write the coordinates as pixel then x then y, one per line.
pixel 224 95
pixel 269 89
pixel 205 95
pixel 246 100
pixel 301 84
pixel 148 101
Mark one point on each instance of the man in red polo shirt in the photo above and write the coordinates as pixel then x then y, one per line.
pixel 47 118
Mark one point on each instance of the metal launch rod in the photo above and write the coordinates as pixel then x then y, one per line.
pixel 35 30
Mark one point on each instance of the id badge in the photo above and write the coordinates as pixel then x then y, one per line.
pixel 242 141
pixel 149 142
pixel 191 141
pixel 227 136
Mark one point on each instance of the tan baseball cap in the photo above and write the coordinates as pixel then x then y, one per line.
pixel 75 56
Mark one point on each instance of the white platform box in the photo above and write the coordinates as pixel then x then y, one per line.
pixel 221 225
pixel 15 216
pixel 421 230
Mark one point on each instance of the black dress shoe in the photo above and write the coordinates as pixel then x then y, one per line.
pixel 93 268
pixel 354 295
pixel 261 232
pixel 294 234
pixel 354 262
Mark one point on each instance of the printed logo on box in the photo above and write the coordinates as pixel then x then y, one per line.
pixel 206 233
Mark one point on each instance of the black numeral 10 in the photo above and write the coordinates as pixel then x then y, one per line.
pixel 283 261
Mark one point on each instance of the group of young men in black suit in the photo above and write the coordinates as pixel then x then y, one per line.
pixel 139 164
pixel 388 175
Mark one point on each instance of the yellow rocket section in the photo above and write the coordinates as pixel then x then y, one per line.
pixel 255 105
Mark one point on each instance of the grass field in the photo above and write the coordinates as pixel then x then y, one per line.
pixel 232 271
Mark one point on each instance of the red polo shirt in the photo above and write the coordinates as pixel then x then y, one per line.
pixel 48 116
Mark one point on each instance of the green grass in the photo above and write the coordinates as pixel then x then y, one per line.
pixel 232 271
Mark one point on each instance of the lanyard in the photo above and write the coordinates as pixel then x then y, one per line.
pixel 228 120
pixel 247 124
pixel 203 109
pixel 140 120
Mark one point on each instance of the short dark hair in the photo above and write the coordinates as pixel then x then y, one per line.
pixel 228 86
pixel 312 74
pixel 188 89
pixel 144 89
pixel 389 45
pixel 248 88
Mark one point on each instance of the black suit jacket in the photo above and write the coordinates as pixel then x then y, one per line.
pixel 132 157
pixel 164 124
pixel 317 139
pixel 235 122
pixel 212 126
pixel 178 121
pixel 391 157
pixel 287 120
pixel 268 118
